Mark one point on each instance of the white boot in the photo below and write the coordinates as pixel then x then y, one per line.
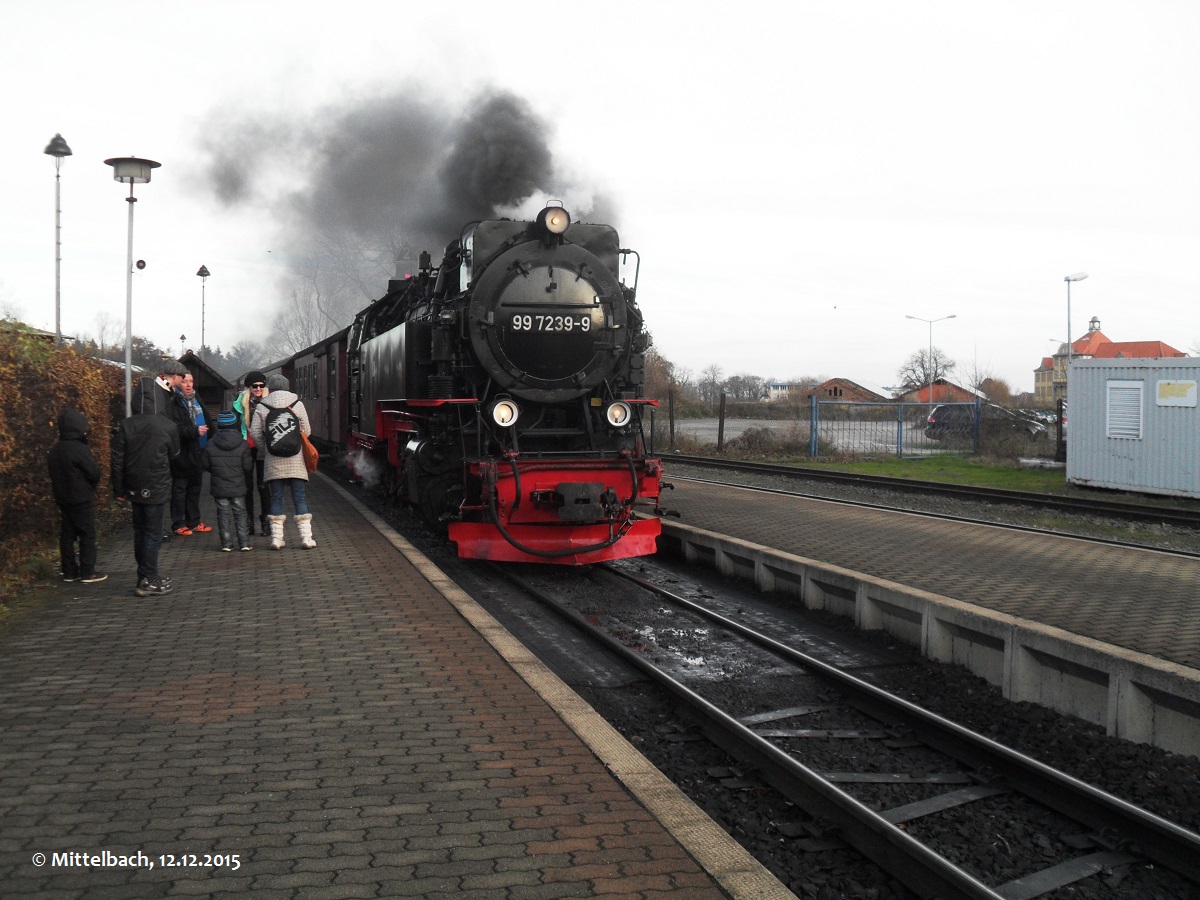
pixel 277 531
pixel 304 523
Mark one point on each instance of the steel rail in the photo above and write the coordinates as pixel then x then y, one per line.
pixel 1174 847
pixel 1130 511
pixel 905 858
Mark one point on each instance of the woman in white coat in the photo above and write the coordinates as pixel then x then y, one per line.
pixel 282 472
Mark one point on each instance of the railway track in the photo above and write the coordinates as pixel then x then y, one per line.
pixel 1133 512
pixel 945 772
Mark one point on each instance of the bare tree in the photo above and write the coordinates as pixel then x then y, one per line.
pixel 109 332
pixel 242 357
pixel 922 368
pixel 745 387
pixel 341 272
pixel 302 323
pixel 710 383
pixel 660 375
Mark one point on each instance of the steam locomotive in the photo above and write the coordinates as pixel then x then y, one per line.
pixel 499 392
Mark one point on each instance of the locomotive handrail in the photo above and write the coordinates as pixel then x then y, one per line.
pixel 517 484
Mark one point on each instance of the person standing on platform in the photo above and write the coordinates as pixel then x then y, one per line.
pixel 143 450
pixel 74 475
pixel 230 465
pixel 256 390
pixel 288 471
pixel 170 376
pixel 189 477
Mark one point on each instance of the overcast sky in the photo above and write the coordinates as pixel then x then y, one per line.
pixel 797 176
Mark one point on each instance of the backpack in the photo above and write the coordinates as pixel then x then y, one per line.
pixel 282 432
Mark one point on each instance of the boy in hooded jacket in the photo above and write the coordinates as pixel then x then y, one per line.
pixel 74 475
pixel 229 461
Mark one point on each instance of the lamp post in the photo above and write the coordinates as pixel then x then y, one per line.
pixel 203 273
pixel 182 344
pixel 1078 276
pixel 133 170
pixel 58 149
pixel 931 366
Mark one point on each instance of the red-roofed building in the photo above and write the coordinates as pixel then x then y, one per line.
pixel 843 389
pixel 943 392
pixel 1050 378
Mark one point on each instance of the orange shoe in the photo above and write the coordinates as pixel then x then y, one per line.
pixel 202 528
pixel 183 530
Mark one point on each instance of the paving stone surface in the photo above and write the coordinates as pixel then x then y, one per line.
pixel 317 723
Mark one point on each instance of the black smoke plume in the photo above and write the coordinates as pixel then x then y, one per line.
pixel 386 169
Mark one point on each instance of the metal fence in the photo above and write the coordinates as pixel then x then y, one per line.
pixel 833 428
pixel 874 429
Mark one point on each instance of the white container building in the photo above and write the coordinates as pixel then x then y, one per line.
pixel 1134 425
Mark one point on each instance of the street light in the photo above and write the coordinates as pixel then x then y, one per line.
pixel 203 273
pixel 58 149
pixel 135 171
pixel 182 344
pixel 1078 276
pixel 931 367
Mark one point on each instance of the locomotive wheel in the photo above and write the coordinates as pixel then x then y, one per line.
pixel 391 485
pixel 440 495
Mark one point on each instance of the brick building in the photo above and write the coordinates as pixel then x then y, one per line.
pixel 1050 378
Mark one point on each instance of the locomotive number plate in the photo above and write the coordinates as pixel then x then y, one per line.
pixel 551 323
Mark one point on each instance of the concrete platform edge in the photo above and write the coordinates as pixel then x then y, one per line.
pixel 1134 696
pixel 738 873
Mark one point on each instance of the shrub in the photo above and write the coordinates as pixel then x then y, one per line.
pixel 37 381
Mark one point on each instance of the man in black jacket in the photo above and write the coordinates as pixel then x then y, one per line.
pixel 170 404
pixel 143 450
pixel 74 474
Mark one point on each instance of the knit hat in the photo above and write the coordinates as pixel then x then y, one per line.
pixel 255 378
pixel 277 383
pixel 173 367
pixel 227 418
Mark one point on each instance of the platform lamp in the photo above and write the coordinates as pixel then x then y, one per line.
pixel 133 170
pixel 1078 276
pixel 58 149
pixel 931 366
pixel 203 273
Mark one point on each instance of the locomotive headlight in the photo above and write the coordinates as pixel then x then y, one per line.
pixel 554 219
pixel 619 414
pixel 504 413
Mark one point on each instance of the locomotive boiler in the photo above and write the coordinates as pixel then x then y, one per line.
pixel 501 391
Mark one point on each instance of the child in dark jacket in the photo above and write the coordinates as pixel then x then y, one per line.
pixel 229 460
pixel 75 474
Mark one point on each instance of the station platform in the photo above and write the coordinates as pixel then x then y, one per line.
pixel 1104 632
pixel 335 722
pixel 1142 600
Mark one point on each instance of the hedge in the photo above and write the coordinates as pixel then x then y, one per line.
pixel 37 381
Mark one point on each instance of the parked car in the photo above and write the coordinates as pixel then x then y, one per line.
pixel 948 421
